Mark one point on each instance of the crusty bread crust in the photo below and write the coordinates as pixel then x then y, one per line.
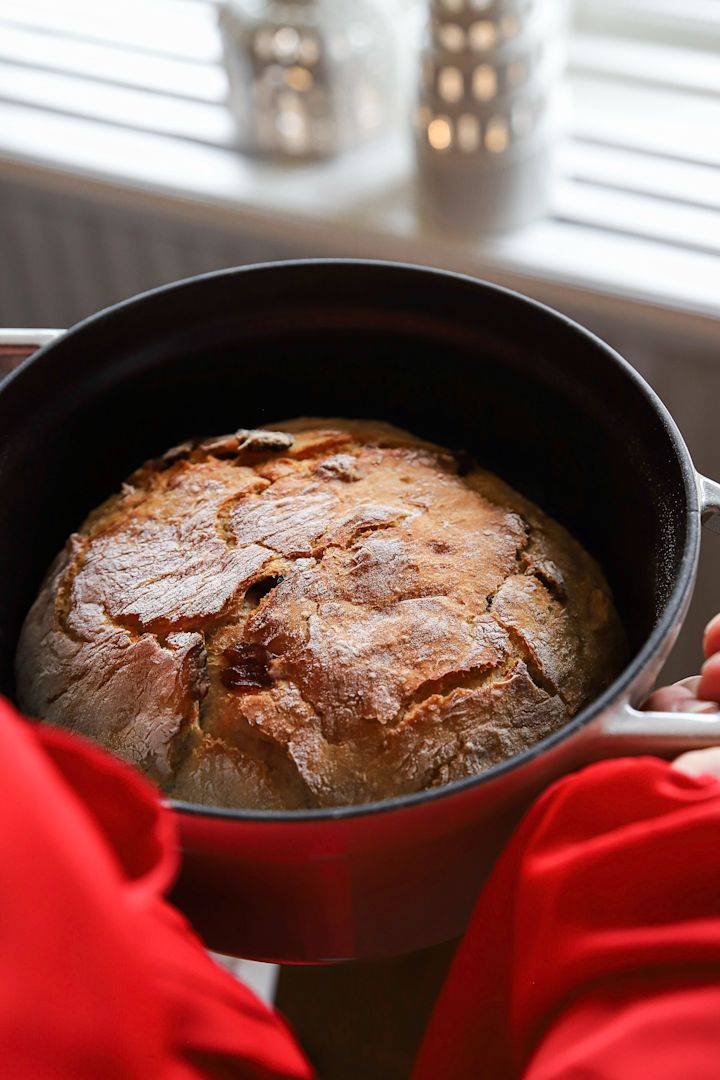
pixel 322 613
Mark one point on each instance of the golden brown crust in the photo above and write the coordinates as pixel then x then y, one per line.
pixel 324 612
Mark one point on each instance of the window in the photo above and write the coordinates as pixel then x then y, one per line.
pixel 132 95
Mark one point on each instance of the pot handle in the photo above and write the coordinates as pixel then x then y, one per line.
pixel 635 732
pixel 709 502
pixel 17 345
pixel 666 733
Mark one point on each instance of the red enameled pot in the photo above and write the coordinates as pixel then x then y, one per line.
pixel 535 397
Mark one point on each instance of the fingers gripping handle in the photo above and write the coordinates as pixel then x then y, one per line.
pixel 632 731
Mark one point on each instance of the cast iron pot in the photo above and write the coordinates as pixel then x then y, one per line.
pixel 535 397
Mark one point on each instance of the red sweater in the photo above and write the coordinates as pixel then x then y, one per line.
pixel 594 951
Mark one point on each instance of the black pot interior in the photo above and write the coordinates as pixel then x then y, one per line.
pixel 537 400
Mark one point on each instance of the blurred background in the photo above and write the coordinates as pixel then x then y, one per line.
pixel 570 150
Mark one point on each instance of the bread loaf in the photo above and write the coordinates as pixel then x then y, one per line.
pixel 327 613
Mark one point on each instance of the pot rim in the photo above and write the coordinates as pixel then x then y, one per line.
pixel 672 612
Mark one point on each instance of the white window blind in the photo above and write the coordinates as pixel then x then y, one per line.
pixel 688 23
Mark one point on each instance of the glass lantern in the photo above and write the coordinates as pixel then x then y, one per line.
pixel 308 78
pixel 491 106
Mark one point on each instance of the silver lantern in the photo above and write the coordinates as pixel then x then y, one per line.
pixel 308 78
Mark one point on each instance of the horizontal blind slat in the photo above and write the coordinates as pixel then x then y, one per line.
pixel 118 64
pixel 684 226
pixel 644 174
pixel 647 62
pixel 137 109
pixel 181 28
pixel 680 126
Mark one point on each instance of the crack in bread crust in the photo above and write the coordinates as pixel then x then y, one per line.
pixel 443 687
pixel 520 552
pixel 76 549
pixel 522 652
pixel 417 618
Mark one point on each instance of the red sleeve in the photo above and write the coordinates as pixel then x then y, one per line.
pixel 100 976
pixel 594 951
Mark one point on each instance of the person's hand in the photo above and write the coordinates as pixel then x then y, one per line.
pixel 700 694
